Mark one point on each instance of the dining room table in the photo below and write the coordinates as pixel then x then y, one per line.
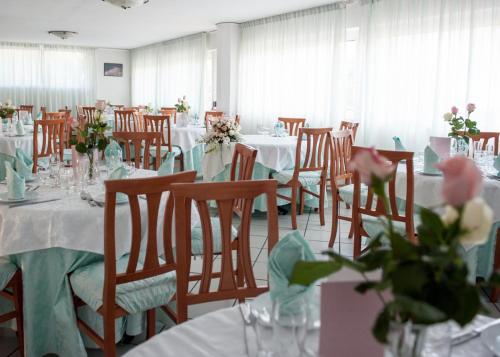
pixel 10 141
pixel 186 138
pixel 274 154
pixel 50 236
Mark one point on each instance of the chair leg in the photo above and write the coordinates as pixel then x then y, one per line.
pixel 495 292
pixel 18 304
pixel 357 237
pixel 293 212
pixel 301 200
pixel 151 323
pixel 109 337
pixel 322 195
pixel 181 159
pixel 351 232
pixel 335 221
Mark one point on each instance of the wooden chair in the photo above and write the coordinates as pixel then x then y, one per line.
pixel 52 139
pixel 136 139
pixel 308 172
pixel 26 108
pixel 339 175
pixel 140 266
pixel 242 169
pixel 347 125
pixel 172 111
pixel 370 207
pixel 212 114
pixel 234 282
pixel 13 292
pixel 68 129
pixel 55 116
pixel 89 112
pixel 484 137
pixel 162 124
pixel 126 120
pixel 293 124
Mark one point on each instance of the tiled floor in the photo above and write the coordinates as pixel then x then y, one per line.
pixel 308 224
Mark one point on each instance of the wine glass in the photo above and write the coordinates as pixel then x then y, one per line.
pixel 290 326
pixel 264 331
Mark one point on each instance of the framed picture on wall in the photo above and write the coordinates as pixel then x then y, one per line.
pixel 113 69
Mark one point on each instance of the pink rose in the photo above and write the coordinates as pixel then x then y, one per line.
pixel 454 110
pixel 471 107
pixel 462 180
pixel 369 163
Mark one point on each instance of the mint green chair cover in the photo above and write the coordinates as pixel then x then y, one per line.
pixel 288 251
pixel 164 149
pixel 307 178
pixel 7 271
pixel 168 165
pixel 135 297
pixel 197 237
pixel 16 185
pixel 398 145
pixel 430 159
pixel 24 164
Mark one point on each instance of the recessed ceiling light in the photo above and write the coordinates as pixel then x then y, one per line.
pixel 127 4
pixel 63 34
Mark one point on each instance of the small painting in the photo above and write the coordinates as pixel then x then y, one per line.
pixel 113 69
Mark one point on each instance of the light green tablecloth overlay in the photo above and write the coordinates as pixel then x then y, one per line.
pixel 193 159
pixel 49 320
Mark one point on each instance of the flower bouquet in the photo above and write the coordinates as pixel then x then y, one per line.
pixel 6 109
pixel 182 107
pixel 421 284
pixel 460 128
pixel 223 132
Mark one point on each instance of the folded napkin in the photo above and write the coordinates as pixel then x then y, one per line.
pixel 16 185
pixel 20 128
pixel 279 129
pixel 288 251
pixel 39 116
pixel 167 166
pixel 496 164
pixel 113 149
pixel 118 174
pixel 430 159
pixel 398 145
pixel 24 164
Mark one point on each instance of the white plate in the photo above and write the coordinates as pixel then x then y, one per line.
pixel 28 196
pixel 429 174
pixel 491 339
pixel 101 199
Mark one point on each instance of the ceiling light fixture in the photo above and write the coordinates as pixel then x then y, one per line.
pixel 127 4
pixel 63 34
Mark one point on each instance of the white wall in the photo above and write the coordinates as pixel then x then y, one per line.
pixel 113 89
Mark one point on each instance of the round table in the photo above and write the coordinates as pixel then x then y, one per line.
pixel 221 333
pixel 186 137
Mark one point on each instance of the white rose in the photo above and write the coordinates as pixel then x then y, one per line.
pixel 477 218
pixel 231 132
pixel 450 215
pixel 448 116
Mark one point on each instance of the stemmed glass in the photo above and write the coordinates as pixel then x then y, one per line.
pixel 290 326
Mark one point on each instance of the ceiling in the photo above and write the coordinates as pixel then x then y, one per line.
pixel 101 24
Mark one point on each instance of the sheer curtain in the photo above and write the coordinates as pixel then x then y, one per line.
pixel 293 65
pixel 163 72
pixel 53 76
pixel 417 58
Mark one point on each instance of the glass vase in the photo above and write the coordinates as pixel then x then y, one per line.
pixel 93 160
pixel 460 146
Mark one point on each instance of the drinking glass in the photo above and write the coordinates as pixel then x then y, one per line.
pixel 290 326
pixel 102 176
pixel 130 169
pixel 54 170
pixel 264 331
pixel 44 174
pixel 66 176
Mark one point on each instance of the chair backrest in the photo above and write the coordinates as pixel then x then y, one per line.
pixel 27 108
pixel 79 110
pixel 160 124
pixel 117 106
pixel 55 116
pixel 172 112
pixel 347 125
pixel 52 131
pixel 212 114
pixel 126 120
pixel 370 205
pixel 484 137
pixel 67 129
pixel 142 142
pixel 242 165
pixel 233 283
pixel 340 156
pixel 153 188
pixel 293 124
pixel 89 112
pixel 317 152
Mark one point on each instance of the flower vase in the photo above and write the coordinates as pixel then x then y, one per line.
pixel 182 119
pixel 460 146
pixel 93 158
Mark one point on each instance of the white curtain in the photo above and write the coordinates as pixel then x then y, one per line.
pixel 52 76
pixel 417 58
pixel 292 65
pixel 163 72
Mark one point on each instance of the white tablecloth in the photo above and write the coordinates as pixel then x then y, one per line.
pixel 221 334
pixel 9 144
pixel 185 137
pixel 67 223
pixel 272 152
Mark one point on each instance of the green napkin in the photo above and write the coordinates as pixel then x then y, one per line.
pixel 118 174
pixel 167 166
pixel 289 250
pixel 112 149
pixel 430 159
pixel 24 164
pixel 496 164
pixel 20 128
pixel 398 145
pixel 16 185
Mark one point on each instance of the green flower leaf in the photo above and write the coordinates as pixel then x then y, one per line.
pixel 381 327
pixel 306 273
pixel 81 148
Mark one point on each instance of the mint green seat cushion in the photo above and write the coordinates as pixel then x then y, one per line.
pixel 197 237
pixel 7 271
pixel 164 151
pixel 137 296
pixel 373 226
pixel 306 178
